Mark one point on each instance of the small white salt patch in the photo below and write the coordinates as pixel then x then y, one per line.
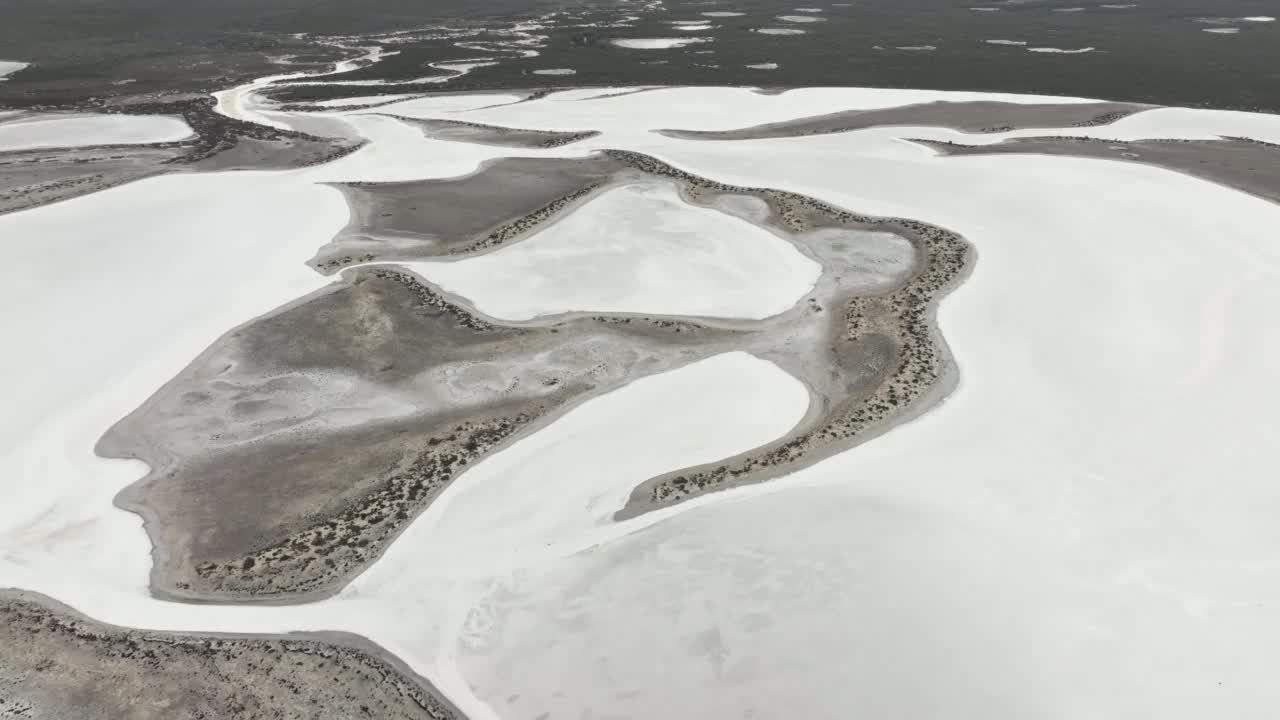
pixel 1060 51
pixel 9 67
pixel 657 43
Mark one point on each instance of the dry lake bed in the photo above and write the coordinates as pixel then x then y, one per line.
pixel 634 402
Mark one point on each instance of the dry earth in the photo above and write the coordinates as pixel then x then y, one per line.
pixel 59 665
pixel 975 116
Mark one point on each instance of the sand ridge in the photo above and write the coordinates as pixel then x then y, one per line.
pixel 56 659
pixel 972 116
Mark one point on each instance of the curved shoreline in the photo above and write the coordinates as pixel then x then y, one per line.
pixel 152 664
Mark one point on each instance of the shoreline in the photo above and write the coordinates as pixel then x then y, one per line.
pixel 413 690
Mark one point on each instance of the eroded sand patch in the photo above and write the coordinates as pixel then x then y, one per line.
pixel 503 200
pixel 495 135
pixel 351 410
pixel 60 664
pixel 1247 165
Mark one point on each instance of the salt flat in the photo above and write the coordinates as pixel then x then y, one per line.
pixel 630 115
pixel 635 249
pixel 80 130
pixel 1024 541
pixel 1085 527
pixel 657 43
pixel 9 67
pixel 1060 51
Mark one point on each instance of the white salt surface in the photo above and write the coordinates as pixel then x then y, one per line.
pixel 1090 566
pixel 1222 31
pixel 1086 524
pixel 638 248
pixel 695 28
pixel 453 70
pixel 143 266
pixel 801 18
pixel 764 66
pixel 9 67
pixel 656 43
pixel 780 31
pixel 246 102
pixel 1233 20
pixel 1060 51
pixel 586 465
pixel 459 68
pixel 722 14
pixel 702 108
pixel 555 71
pixel 57 131
pixel 1018 43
